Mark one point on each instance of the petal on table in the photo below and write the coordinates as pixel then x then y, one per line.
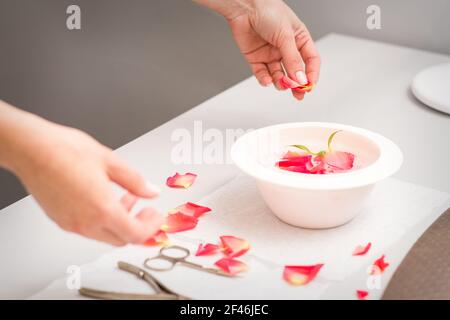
pixel 231 266
pixel 191 209
pixel 207 249
pixel 361 294
pixel 379 265
pixel 361 250
pixel 301 275
pixel 178 222
pixel 339 161
pixel 160 238
pixel 234 246
pixel 181 180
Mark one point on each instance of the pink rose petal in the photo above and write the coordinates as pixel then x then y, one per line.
pixel 231 266
pixel 301 275
pixel 362 250
pixel 181 180
pixel 207 249
pixel 191 209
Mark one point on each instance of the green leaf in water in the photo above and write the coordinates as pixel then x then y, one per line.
pixel 304 148
pixel 330 139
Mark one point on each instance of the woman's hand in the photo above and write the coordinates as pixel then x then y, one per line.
pixel 71 176
pixel 271 36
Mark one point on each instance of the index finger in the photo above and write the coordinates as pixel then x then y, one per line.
pixel 135 229
pixel 310 55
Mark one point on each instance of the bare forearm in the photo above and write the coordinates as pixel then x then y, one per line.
pixel 15 135
pixel 228 8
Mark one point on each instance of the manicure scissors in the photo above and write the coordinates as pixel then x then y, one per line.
pixel 162 292
pixel 170 256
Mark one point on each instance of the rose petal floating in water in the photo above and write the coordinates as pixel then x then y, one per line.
pixel 361 250
pixel 339 161
pixel 181 180
pixel 191 209
pixel 301 275
pixel 361 294
pixel 207 249
pixel 178 222
pixel 231 266
pixel 379 265
pixel 322 162
pixel 234 246
pixel 160 238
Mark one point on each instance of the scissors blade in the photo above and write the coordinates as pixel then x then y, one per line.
pixel 206 269
pixel 110 295
pixel 157 285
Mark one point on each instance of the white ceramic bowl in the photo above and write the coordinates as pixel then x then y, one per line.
pixel 315 201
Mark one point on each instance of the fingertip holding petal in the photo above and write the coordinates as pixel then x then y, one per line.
pixel 301 275
pixel 287 83
pixel 231 266
pixel 181 180
pixel 178 222
pixel 160 238
pixel 361 250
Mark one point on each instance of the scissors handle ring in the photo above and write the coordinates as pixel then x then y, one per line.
pixel 170 266
pixel 185 251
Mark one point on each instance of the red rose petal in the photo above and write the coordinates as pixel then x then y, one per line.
pixel 295 163
pixel 234 246
pixel 300 169
pixel 288 83
pixel 361 294
pixel 178 222
pixel 181 180
pixel 316 165
pixel 304 88
pixel 379 265
pixel 361 250
pixel 207 249
pixel 160 238
pixel 339 161
pixel 191 209
pixel 231 266
pixel 301 275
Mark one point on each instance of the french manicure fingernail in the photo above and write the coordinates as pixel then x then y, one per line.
pixel 301 77
pixel 152 187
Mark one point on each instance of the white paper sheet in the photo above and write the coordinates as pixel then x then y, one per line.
pixel 238 209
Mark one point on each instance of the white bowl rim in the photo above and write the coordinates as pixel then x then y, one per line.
pixel 388 162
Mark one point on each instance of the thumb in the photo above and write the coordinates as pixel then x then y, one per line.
pixel 129 179
pixel 292 60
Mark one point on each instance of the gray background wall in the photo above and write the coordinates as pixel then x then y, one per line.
pixel 138 63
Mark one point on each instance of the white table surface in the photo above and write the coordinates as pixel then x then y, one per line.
pixel 363 83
